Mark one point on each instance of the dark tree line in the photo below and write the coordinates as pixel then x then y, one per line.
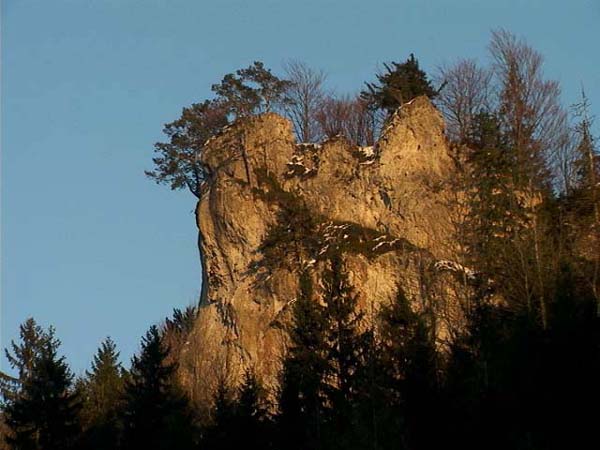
pixel 107 408
pixel 506 381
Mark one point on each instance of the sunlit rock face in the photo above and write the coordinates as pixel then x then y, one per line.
pixel 273 208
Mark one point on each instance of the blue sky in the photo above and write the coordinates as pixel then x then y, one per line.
pixel 91 246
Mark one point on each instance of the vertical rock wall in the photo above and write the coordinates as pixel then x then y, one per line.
pixel 272 208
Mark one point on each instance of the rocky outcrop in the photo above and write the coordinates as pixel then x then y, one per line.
pixel 272 208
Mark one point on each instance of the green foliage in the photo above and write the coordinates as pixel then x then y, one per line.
pixel 155 414
pixel 585 195
pixel 34 341
pixel 343 318
pixel 302 395
pixel 587 163
pixel 101 390
pixel 495 212
pixel 410 364
pixel 246 413
pixel 294 235
pixel 182 322
pixel 399 84
pixel 377 419
pixel 178 163
pixel 251 412
pixel 241 99
pixel 251 90
pixel 508 227
pixel 44 412
pixel 219 435
pixel 350 384
pixel 343 349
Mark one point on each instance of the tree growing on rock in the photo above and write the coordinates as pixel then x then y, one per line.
pixel 178 161
pixel 252 90
pixel 398 84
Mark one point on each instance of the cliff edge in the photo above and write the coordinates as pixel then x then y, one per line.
pixel 272 208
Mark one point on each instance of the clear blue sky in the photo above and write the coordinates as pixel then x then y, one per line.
pixel 93 247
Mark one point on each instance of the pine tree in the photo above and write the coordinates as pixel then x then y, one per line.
pixel 102 389
pixel 155 415
pixel 399 84
pixel 250 91
pixel 178 161
pixel 44 414
pixel 533 123
pixel 301 400
pixel 269 88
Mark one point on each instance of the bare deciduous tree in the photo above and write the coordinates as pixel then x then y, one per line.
pixel 305 95
pixel 533 121
pixel 529 105
pixel 466 91
pixel 350 117
pixel 563 161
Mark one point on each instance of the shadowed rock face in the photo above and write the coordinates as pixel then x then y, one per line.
pixel 272 208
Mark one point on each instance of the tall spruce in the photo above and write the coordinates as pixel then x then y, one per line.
pixel 587 163
pixel 376 421
pixel 240 417
pixel 343 349
pixel 102 389
pixel 219 434
pixel 155 414
pixel 585 198
pixel 411 364
pixel 44 413
pixel 302 396
pixel 252 418
pixel 22 356
pixel 496 217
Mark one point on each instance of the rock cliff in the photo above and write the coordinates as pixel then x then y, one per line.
pixel 272 208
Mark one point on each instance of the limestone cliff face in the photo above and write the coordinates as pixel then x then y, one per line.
pixel 273 208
